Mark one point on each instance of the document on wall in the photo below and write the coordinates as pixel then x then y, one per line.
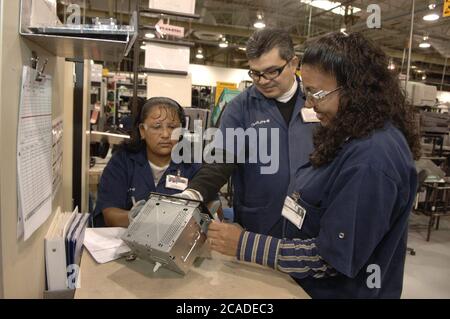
pixel 34 152
pixel 57 154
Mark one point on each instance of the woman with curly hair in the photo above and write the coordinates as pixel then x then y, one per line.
pixel 346 227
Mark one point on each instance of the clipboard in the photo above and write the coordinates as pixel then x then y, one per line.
pixel 34 149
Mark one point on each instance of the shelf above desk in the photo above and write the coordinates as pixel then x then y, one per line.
pixel 81 48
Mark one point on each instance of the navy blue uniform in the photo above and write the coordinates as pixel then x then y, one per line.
pixel 357 210
pixel 259 197
pixel 129 175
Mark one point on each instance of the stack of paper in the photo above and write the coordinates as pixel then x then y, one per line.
pixel 63 247
pixel 105 244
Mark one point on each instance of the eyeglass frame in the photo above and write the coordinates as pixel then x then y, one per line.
pixel 320 95
pixel 262 74
pixel 160 129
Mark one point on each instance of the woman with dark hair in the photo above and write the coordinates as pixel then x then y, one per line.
pixel 346 229
pixel 143 164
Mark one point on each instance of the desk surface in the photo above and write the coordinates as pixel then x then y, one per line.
pixel 214 276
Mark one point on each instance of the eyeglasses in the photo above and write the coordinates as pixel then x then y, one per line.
pixel 318 96
pixel 159 127
pixel 268 75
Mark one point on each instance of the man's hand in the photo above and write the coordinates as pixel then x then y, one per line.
pixel 224 237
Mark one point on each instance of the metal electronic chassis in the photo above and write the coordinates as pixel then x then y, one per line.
pixel 169 231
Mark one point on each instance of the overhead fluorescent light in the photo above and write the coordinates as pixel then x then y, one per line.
pixel 425 44
pixel 199 54
pixel 433 16
pixel 328 5
pixel 259 24
pixel 391 65
pixel 223 43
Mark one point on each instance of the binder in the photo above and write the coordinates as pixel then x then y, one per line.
pixel 76 239
pixel 55 250
pixel 68 235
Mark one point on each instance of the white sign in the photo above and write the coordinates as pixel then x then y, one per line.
pixel 181 6
pixel 167 57
pixel 167 29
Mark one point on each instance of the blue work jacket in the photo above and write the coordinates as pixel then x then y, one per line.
pixel 258 196
pixel 357 208
pixel 128 175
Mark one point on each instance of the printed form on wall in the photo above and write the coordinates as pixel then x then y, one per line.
pixel 34 152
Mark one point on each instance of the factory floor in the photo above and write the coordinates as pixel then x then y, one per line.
pixel 427 274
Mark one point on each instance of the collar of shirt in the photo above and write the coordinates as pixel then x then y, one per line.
pixel 158 171
pixel 254 92
pixel 289 94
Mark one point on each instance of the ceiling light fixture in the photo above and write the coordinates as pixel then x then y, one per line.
pixel 223 43
pixel 150 35
pixel 332 6
pixel 199 54
pixel 391 65
pixel 343 28
pixel 259 23
pixel 432 14
pixel 143 46
pixel 425 44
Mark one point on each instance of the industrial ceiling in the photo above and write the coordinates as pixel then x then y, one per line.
pixel 234 19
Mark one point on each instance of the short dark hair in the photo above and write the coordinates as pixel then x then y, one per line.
pixel 262 41
pixel 136 144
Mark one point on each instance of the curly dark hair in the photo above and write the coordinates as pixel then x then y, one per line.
pixel 370 94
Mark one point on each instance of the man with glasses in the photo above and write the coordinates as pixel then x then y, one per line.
pixel 273 103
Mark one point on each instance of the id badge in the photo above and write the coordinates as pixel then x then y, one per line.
pixel 176 182
pixel 309 116
pixel 293 212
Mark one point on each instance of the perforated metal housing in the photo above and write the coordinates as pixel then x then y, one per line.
pixel 169 230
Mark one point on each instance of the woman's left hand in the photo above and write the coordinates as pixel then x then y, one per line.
pixel 224 237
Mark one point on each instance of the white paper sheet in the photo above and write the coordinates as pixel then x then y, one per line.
pixel 105 244
pixel 181 6
pixel 34 152
pixel 57 154
pixel 167 57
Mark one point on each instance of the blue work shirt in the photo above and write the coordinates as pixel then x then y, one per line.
pixel 258 198
pixel 129 175
pixel 357 208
